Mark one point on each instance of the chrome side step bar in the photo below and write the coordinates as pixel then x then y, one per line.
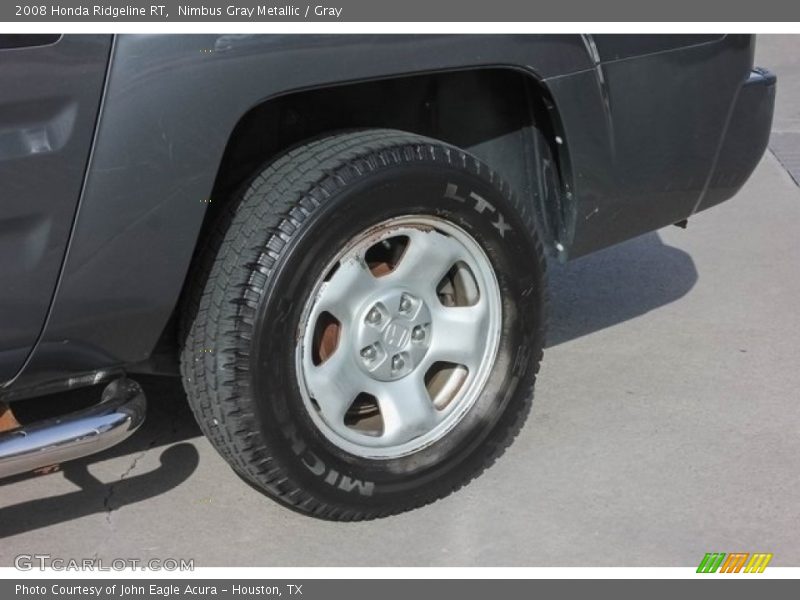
pixel 121 411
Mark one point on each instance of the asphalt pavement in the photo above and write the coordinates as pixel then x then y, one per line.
pixel 666 424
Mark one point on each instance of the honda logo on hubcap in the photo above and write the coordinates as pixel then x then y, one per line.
pixel 396 335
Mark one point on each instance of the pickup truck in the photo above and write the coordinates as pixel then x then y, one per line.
pixel 338 242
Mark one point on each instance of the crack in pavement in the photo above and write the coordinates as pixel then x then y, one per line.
pixel 159 435
pixel 110 493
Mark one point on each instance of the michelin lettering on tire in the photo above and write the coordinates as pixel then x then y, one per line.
pixel 317 466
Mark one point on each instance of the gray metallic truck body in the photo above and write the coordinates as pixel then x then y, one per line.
pixel 113 151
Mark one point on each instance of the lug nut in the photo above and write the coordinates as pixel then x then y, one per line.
pixel 374 316
pixel 405 303
pixel 418 333
pixel 368 353
pixel 397 362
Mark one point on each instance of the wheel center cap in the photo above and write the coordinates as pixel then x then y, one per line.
pixel 392 334
pixel 396 335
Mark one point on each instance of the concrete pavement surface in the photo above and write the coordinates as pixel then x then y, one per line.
pixel 666 424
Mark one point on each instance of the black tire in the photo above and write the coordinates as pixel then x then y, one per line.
pixel 245 297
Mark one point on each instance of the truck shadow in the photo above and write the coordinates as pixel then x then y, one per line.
pixel 178 462
pixel 587 295
pixel 615 285
pixel 169 423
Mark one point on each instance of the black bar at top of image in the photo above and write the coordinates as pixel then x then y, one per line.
pixel 443 11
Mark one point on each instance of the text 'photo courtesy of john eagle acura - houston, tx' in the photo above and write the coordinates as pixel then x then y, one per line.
pixel 341 252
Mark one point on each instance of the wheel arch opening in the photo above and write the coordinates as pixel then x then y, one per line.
pixel 505 116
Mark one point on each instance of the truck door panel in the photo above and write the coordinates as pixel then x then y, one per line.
pixel 50 90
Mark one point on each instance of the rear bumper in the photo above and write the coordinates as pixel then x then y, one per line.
pixel 746 137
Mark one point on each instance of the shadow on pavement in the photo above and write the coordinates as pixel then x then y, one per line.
pixel 169 423
pixel 178 462
pixel 615 285
pixel 587 295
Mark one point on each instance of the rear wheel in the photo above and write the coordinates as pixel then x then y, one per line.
pixel 364 331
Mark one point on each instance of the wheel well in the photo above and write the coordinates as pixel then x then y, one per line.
pixel 502 115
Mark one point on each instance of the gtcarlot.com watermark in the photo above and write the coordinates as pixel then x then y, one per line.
pixel 43 562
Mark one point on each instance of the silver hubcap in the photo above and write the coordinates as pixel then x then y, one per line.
pixel 394 334
pixel 399 337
